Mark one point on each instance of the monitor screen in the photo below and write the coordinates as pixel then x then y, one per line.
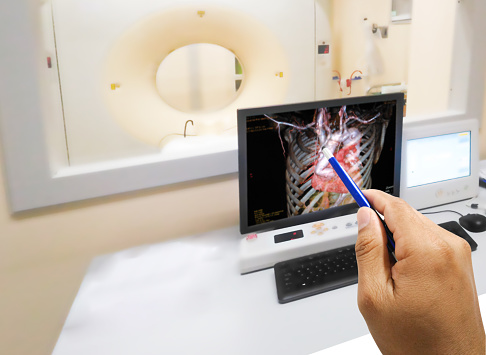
pixel 284 177
pixel 438 158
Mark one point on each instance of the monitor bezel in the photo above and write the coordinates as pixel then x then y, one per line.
pixel 242 114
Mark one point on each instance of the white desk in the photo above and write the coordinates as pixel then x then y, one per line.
pixel 187 297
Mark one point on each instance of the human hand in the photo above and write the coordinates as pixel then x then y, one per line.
pixel 426 303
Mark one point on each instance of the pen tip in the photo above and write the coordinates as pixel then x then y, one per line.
pixel 327 153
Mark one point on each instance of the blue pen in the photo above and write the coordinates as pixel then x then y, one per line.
pixel 359 197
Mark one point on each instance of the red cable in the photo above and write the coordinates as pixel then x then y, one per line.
pixel 339 80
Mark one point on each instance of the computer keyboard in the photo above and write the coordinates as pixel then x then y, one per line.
pixel 309 275
pixel 317 273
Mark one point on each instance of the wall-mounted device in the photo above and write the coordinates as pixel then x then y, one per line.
pixel 291 201
pixel 440 162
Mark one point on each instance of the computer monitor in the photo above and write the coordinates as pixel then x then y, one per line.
pixel 285 180
pixel 440 161
pixel 445 149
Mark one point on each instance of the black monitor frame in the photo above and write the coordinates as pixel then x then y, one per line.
pixel 351 208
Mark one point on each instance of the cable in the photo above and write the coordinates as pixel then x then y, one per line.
pixel 443 212
pixel 339 80
pixel 351 80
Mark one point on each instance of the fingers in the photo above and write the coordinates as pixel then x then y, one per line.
pixel 394 207
pixel 384 203
pixel 411 229
pixel 401 218
pixel 371 254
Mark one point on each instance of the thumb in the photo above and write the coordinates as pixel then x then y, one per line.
pixel 371 252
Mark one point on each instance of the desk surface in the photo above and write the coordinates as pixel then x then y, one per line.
pixel 187 297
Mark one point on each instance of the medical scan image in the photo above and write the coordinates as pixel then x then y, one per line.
pixel 288 172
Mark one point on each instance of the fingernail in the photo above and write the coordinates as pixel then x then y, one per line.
pixel 363 217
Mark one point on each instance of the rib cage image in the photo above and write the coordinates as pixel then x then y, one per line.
pixel 355 138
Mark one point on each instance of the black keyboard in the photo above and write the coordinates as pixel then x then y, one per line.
pixel 313 274
pixel 317 273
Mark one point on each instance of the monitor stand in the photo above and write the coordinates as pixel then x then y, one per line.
pixel 263 250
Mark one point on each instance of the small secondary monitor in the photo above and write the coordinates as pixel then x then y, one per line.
pixel 438 158
pixel 439 161
pixel 285 179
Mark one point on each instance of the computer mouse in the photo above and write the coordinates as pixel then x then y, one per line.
pixel 475 223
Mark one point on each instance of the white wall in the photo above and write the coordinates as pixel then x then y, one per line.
pixel 431 57
pixel 355 44
pixel 482 132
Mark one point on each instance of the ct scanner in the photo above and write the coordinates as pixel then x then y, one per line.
pixel 138 107
pixel 108 57
pixel 67 135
